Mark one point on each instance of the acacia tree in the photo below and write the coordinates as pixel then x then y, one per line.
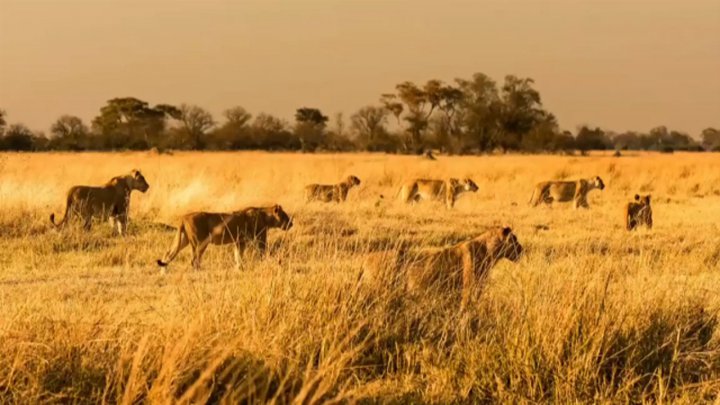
pixel 128 122
pixel 390 103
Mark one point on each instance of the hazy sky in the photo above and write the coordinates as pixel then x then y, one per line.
pixel 630 64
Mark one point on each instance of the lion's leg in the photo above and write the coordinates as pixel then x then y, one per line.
pixel 198 250
pixel 547 198
pixel 468 279
pixel 119 223
pixel 261 242
pixel 87 221
pixel 122 225
pixel 409 195
pixel 238 250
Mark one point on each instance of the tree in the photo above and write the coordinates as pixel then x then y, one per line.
pixel 390 103
pixel 311 116
pixel 270 132
pixel 339 127
pixel 627 140
pixel 69 132
pixel 479 108
pixel 543 136
pixel 711 139
pixel 310 128
pixel 415 100
pixel 520 112
pixel 18 137
pixel 369 122
pixel 195 123
pixel 564 142
pixel 235 132
pixel 269 123
pixel 128 122
pixel 3 122
pixel 591 139
pixel 237 116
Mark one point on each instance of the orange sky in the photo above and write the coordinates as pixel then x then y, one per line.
pixel 630 64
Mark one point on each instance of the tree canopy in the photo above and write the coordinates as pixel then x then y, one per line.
pixel 466 115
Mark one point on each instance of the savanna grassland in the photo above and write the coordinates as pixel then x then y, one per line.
pixel 591 313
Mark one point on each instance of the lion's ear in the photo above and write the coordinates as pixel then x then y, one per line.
pixel 637 197
pixel 506 231
pixel 277 208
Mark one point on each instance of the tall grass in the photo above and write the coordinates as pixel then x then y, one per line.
pixel 590 314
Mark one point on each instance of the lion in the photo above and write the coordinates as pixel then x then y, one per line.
pixel 463 266
pixel 638 212
pixel 448 190
pixel 250 225
pixel 330 192
pixel 111 201
pixel 564 191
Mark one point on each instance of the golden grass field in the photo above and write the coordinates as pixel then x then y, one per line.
pixel 591 313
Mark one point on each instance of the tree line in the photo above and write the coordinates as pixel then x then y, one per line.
pixel 475 115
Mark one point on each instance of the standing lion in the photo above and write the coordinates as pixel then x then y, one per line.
pixel 331 192
pixel 462 267
pixel 111 201
pixel 240 228
pixel 563 191
pixel 448 190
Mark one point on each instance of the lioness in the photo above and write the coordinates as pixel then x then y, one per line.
pixel 109 201
pixel 330 192
pixel 250 225
pixel 447 190
pixel 638 213
pixel 564 191
pixel 463 266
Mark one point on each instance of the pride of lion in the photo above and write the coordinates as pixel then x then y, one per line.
pixel 462 267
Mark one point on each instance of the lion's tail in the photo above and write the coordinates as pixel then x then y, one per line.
pixel 175 249
pixel 68 207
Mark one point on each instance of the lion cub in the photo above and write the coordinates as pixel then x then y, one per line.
pixel 638 212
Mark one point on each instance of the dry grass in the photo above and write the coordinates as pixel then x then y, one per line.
pixel 592 313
